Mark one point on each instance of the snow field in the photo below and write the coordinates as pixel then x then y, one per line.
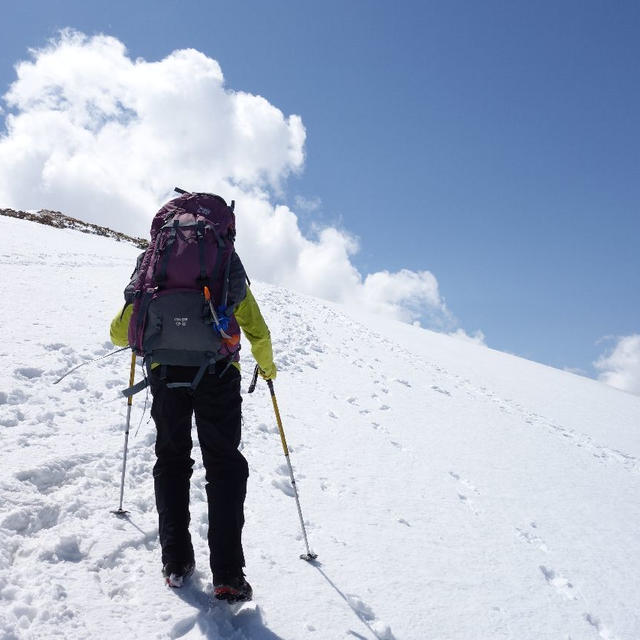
pixel 451 491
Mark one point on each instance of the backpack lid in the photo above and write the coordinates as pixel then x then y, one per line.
pixel 209 205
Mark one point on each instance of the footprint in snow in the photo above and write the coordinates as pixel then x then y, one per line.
pixel 75 385
pixel 25 614
pixel 467 487
pixel 54 474
pixel 595 622
pixel 17 396
pixel 283 470
pixel 67 549
pixel 29 520
pixel 11 417
pixel 54 346
pixel 182 627
pixel 284 485
pixel 464 482
pixel 380 630
pixel 103 349
pixel 28 372
pixel 439 390
pixel 265 428
pixel 530 537
pixel 559 582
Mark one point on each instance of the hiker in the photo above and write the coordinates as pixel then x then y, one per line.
pixel 186 301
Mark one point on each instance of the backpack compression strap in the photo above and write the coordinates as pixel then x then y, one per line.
pixel 136 388
pixel 143 384
pixel 162 275
pixel 207 362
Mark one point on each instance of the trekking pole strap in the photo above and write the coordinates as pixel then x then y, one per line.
pixel 254 380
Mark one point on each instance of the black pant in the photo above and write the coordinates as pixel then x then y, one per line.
pixel 217 406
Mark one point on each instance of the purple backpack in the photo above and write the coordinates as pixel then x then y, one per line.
pixel 186 287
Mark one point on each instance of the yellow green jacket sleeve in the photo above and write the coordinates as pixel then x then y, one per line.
pixel 254 327
pixel 120 326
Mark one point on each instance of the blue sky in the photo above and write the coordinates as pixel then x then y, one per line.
pixel 495 144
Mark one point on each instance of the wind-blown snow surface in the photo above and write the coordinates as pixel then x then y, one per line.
pixel 451 491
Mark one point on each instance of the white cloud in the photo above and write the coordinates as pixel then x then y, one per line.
pixel 476 338
pixel 308 204
pixel 620 366
pixel 102 137
pixel 406 295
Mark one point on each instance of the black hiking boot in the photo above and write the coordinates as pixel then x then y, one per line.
pixel 231 587
pixel 177 572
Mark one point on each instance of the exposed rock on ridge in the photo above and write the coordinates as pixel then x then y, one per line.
pixel 61 221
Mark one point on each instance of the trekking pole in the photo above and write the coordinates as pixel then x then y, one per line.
pixel 309 555
pixel 84 364
pixel 120 511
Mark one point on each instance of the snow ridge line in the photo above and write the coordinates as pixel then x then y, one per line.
pixel 59 220
pixel 629 462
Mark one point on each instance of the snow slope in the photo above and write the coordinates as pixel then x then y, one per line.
pixel 451 491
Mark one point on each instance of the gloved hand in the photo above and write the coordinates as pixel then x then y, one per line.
pixel 270 373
